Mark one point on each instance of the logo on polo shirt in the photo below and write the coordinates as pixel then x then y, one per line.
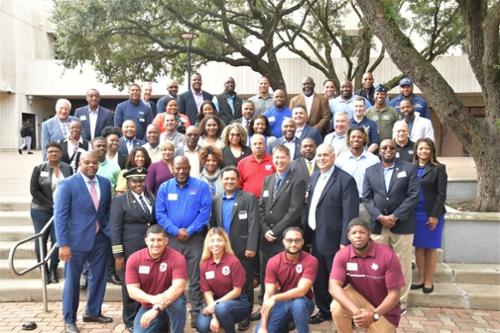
pixel 374 266
pixel 298 268
pixel 268 167
pixel 226 270
pixel 163 267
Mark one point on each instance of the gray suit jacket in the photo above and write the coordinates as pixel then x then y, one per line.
pixel 51 131
pixel 400 200
pixel 244 230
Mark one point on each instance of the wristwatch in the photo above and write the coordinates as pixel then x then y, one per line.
pixel 157 307
pixel 376 316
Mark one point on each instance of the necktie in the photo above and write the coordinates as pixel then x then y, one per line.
pixel 95 200
pixel 144 205
pixel 309 167
pixel 277 184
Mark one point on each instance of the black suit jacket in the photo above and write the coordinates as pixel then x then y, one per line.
pixel 187 105
pixel 280 141
pixel 84 145
pixel 337 206
pixel 313 133
pixel 433 184
pixel 123 145
pixel 400 200
pixel 286 209
pixel 104 118
pixel 244 231
pixel 128 223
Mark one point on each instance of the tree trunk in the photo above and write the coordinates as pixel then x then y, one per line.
pixel 480 138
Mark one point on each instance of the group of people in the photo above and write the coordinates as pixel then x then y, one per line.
pixel 320 200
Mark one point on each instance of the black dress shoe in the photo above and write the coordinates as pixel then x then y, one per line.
pixel 71 328
pixel 319 318
pixel 20 151
pixel 29 326
pixel 53 278
pixel 415 286
pixel 99 319
pixel 428 290
pixel 244 325
pixel 114 280
pixel 255 316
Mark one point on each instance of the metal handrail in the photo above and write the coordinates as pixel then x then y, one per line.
pixel 41 263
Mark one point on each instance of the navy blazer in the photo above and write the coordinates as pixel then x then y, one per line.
pixel 313 133
pixel 337 206
pixel 400 200
pixel 280 141
pixel 187 105
pixel 75 216
pixel 123 145
pixel 104 118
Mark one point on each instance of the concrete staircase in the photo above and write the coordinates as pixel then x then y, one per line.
pixel 467 286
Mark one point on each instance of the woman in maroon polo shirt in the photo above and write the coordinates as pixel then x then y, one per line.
pixel 222 279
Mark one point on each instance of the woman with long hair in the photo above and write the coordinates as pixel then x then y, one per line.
pixel 211 162
pixel 429 213
pixel 260 125
pixel 210 131
pixel 222 279
pixel 234 137
pixel 138 158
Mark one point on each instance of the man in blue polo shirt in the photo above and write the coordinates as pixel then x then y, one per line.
pixel 134 109
pixel 406 93
pixel 278 113
pixel 183 207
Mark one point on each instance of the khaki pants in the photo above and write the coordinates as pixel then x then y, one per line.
pixel 402 244
pixel 343 317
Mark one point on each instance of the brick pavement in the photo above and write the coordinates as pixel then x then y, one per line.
pixel 418 320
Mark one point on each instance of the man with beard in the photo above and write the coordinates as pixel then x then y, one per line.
pixel 383 115
pixel 264 99
pixel 93 116
pixel 344 101
pixel 404 145
pixel 191 149
pixel 390 195
pixel 418 126
pixel 289 278
pixel 316 105
pixel 136 110
pixel 228 104
pixel 367 91
pixel 191 100
pixel 129 139
pixel 153 143
pixel 306 164
pixel 278 113
pixel 373 278
pixel 172 89
pixel 288 139
pixel 406 93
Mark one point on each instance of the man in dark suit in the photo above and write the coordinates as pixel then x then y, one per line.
pixel 190 101
pixel 304 130
pixel 172 89
pixel 333 202
pixel 316 105
pixel 131 214
pixel 128 141
pixel 81 217
pixel 306 164
pixel 147 92
pixel 237 212
pixel 280 205
pixel 93 116
pixel 228 104
pixel 288 139
pixel 390 195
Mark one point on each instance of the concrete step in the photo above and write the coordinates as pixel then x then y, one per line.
pixel 15 203
pixel 15 218
pixel 9 233
pixel 25 251
pixel 466 273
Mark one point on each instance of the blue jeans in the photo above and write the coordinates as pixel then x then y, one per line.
pixel 299 310
pixel 227 312
pixel 176 313
pixel 40 218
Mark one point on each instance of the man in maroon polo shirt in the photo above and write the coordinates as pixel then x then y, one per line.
pixel 374 279
pixel 156 277
pixel 254 168
pixel 289 278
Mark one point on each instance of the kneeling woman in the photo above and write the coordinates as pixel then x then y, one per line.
pixel 222 279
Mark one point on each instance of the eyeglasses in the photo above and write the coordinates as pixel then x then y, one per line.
pixel 294 240
pixel 234 134
pixel 387 148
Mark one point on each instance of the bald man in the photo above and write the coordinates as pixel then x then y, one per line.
pixel 278 112
pixel 172 89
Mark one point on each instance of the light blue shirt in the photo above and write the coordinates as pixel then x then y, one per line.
pixel 96 183
pixel 356 166
pixel 388 175
pixel 338 104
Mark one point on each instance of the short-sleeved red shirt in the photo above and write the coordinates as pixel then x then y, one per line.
pixel 253 172
pixel 372 276
pixel 155 275
pixel 286 274
pixel 221 278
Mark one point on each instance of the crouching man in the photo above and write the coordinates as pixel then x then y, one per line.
pixel 156 277
pixel 365 283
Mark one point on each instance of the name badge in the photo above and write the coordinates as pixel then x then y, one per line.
pixel 402 174
pixel 265 194
pixel 83 117
pixel 243 215
pixel 143 269
pixel 271 119
pixel 172 196
pixel 142 120
pixel 44 174
pixel 210 275
pixel 268 167
pixel 352 266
